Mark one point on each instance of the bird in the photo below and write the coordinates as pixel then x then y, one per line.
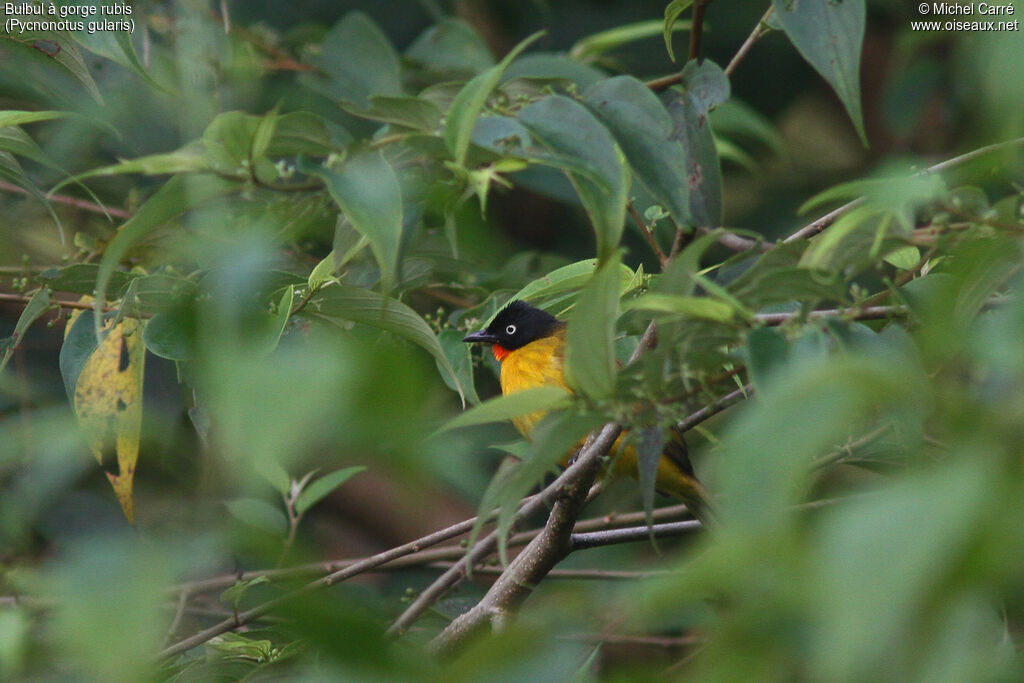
pixel 529 343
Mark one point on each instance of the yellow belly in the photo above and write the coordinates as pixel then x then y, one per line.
pixel 538 364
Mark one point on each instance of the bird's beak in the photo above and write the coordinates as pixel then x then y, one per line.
pixel 482 336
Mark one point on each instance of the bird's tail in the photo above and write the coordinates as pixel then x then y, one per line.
pixel 676 478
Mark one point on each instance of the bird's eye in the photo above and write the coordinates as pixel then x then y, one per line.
pixel 510 330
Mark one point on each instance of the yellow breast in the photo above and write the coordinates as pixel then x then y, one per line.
pixel 539 363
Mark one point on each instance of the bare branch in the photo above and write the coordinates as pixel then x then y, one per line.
pixel 597 539
pixel 705 413
pixel 335 577
pixel 584 574
pixel 855 313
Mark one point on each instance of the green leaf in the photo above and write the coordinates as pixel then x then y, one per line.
pixel 547 292
pixel 300 132
pixel 553 67
pixel 592 46
pixel 470 101
pixel 590 348
pixel 706 85
pixel 451 45
pixel 784 285
pixel 324 486
pixel 736 119
pixel 648 457
pixel 11 171
pixel 767 352
pixel 175 197
pixel 117 47
pixel 367 190
pixel 672 12
pixel 370 308
pixel 829 35
pixel 904 258
pixel 897 192
pixel 260 514
pixel 229 141
pixel 680 276
pixel 566 127
pixel 358 61
pixel 401 110
pixel 461 359
pixel 17 118
pixel 191 158
pixel 280 318
pixel 643 128
pixel 701 308
pixel 275 475
pixel 503 408
pixel 853 240
pixel 40 302
pixel 233 596
pixel 80 278
pixel 60 49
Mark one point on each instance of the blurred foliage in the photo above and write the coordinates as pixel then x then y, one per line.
pixel 299 213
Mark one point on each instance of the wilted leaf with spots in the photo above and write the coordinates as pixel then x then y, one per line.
pixel 108 402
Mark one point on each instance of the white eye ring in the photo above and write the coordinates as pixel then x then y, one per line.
pixel 510 330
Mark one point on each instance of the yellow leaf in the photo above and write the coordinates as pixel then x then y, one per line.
pixel 108 402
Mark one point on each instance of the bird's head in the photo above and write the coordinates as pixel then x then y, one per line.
pixel 514 327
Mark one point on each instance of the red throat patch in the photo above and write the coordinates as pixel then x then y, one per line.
pixel 499 352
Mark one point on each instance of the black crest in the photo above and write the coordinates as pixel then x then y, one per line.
pixel 517 325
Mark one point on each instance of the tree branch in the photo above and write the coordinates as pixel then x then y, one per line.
pixel 542 553
pixel 829 218
pixel 597 539
pixel 705 413
pixel 855 313
pixel 335 577
pixel 424 557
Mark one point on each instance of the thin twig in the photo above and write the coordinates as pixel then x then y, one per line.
pixel 424 557
pixel 335 577
pixel 758 31
pixel 24 299
pixel 583 574
pixel 70 201
pixel 731 240
pixel 543 552
pixel 597 539
pixel 623 639
pixel 707 412
pixel 179 612
pixel 850 447
pixel 855 313
pixel 648 234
